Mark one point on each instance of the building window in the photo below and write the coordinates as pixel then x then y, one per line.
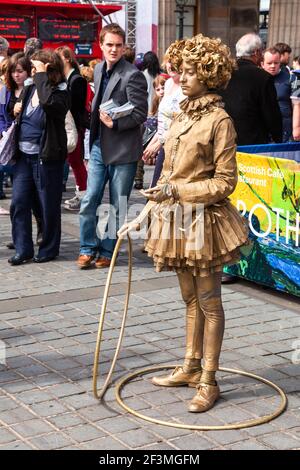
pixel 188 21
pixel 264 20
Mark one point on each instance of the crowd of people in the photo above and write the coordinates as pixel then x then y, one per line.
pixel 186 118
pixel 38 87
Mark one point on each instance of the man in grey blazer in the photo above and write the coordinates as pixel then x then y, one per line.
pixel 116 147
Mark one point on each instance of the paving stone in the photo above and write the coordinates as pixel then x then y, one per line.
pixel 7 404
pixel 6 436
pixel 16 415
pixel 97 412
pixel 136 438
pixel 66 420
pixel 66 390
pixel 16 445
pixel 227 437
pixel 32 428
pixel 48 408
pixel 33 370
pixel 248 445
pixel 117 424
pixel 193 442
pixel 84 433
pixel 105 443
pixel 280 441
pixel 51 441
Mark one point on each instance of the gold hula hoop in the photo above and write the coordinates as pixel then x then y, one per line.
pixel 100 394
pixel 245 424
pixel 128 378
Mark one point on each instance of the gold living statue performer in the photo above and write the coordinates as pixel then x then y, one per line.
pixel 200 168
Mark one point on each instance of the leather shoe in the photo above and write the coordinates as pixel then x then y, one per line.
pixel 178 377
pixel 102 262
pixel 43 259
pixel 10 245
pixel 85 261
pixel 18 259
pixel 205 398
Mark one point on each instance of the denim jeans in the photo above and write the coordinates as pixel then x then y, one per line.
pixel 120 178
pixel 5 169
pixel 36 184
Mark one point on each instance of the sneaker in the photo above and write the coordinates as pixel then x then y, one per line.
pixel 70 201
pixel 74 204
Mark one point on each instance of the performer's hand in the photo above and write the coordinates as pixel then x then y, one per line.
pixel 106 119
pixel 159 193
pixel 126 228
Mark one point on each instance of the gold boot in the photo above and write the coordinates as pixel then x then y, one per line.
pixel 179 377
pixel 205 398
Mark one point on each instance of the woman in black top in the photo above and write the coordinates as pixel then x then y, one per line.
pixel 77 86
pixel 41 152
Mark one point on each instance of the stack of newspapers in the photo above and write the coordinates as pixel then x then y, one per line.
pixel 114 110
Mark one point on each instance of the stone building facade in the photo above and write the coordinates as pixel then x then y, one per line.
pixel 227 19
pixel 230 19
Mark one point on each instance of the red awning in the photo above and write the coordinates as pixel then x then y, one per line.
pixel 61 6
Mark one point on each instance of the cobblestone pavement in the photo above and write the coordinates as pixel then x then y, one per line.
pixel 49 321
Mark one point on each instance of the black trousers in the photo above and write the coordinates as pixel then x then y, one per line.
pixel 45 179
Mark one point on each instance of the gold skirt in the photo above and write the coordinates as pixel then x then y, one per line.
pixel 201 251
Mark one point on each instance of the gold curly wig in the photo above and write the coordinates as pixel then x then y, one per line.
pixel 174 54
pixel 212 59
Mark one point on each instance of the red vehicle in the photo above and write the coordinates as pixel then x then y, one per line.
pixel 75 25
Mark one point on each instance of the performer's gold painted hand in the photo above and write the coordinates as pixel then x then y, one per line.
pixel 126 228
pixel 159 193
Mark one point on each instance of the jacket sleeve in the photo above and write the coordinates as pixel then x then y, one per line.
pixel 270 111
pixel 223 183
pixel 78 97
pixel 54 102
pixel 137 94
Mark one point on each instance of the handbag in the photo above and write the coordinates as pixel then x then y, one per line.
pixel 8 144
pixel 72 134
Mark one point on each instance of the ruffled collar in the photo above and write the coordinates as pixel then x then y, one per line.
pixel 203 105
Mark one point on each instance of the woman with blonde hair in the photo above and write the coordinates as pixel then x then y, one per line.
pixel 199 173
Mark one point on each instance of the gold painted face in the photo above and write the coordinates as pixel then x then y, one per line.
pixel 191 86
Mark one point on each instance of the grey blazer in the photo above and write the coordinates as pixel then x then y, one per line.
pixel 124 144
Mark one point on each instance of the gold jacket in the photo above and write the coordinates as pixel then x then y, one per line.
pixel 200 162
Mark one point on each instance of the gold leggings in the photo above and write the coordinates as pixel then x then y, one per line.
pixel 204 318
